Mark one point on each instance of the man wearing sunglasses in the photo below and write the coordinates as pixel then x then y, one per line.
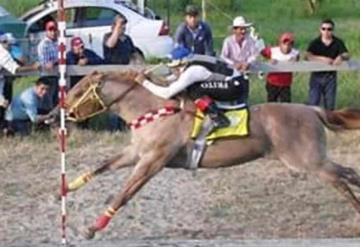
pixel 329 49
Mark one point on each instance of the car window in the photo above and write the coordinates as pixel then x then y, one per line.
pixel 95 16
pixel 39 25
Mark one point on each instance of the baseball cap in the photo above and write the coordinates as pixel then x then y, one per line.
pixel 178 56
pixel 192 10
pixel 76 41
pixel 286 37
pixel 50 25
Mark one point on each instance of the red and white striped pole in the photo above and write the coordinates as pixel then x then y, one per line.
pixel 62 130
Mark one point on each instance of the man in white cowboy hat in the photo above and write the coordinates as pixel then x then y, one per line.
pixel 240 50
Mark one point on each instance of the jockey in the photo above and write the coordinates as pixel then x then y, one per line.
pixel 206 78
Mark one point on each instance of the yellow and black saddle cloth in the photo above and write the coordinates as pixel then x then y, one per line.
pixel 239 126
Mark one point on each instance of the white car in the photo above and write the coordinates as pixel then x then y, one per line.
pixel 92 19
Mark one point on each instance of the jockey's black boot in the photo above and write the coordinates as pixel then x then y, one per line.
pixel 217 116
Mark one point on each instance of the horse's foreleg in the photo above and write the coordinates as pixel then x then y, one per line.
pixel 127 157
pixel 337 176
pixel 148 166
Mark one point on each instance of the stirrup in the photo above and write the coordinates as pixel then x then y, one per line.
pixel 198 146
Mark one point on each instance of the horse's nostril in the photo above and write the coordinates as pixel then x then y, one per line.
pixel 70 115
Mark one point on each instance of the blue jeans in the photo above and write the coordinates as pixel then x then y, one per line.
pixel 323 86
pixel 22 127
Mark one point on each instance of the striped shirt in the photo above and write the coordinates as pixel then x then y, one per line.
pixel 232 52
pixel 47 51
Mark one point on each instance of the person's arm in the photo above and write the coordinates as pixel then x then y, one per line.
pixel 115 34
pixel 93 58
pixel 191 75
pixel 226 52
pixel 70 58
pixel 312 57
pixel 254 52
pixel 343 53
pixel 266 52
pixel 310 54
pixel 179 35
pixel 30 107
pixel 209 46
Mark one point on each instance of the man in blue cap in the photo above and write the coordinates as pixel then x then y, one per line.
pixel 206 78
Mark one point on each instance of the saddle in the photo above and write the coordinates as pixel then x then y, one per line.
pixel 204 134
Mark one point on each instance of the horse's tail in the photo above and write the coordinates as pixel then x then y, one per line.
pixel 344 119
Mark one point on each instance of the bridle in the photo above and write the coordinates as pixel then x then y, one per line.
pixel 93 96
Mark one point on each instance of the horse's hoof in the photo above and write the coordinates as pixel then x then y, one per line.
pixel 89 233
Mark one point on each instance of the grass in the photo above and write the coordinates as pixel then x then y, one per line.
pixel 270 19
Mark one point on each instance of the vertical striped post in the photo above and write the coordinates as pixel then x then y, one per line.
pixel 62 130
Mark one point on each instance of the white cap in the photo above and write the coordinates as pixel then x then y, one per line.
pixel 241 22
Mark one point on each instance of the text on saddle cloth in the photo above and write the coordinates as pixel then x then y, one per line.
pixel 239 126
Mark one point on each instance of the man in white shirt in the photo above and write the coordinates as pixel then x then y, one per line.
pixel 10 65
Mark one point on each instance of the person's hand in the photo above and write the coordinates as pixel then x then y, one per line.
pixel 36 66
pixel 49 66
pixel 337 61
pixel 83 61
pixel 273 61
pixel 293 60
pixel 4 103
pixel 140 78
pixel 241 66
pixel 118 22
pixel 328 60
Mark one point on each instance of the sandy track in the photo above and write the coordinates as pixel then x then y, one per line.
pixel 259 200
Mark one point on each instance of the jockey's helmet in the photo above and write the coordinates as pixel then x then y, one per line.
pixel 179 56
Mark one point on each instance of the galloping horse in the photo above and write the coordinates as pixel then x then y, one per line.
pixel 293 133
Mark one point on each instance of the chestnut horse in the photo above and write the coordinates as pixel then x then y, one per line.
pixel 293 133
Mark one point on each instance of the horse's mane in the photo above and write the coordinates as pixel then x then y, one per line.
pixel 121 76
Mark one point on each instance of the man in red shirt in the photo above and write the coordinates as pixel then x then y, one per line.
pixel 278 84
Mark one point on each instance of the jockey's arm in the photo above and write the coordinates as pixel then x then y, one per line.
pixel 195 73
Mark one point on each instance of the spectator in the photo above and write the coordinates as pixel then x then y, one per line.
pixel 10 65
pixel 24 109
pixel 119 47
pixel 194 34
pixel 328 49
pixel 79 55
pixel 18 55
pixel 240 50
pixel 48 58
pixel 278 84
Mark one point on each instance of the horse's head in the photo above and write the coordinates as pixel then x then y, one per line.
pixel 96 93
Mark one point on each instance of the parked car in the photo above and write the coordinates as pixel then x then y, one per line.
pixel 92 19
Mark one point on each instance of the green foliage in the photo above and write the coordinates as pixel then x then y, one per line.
pixel 18 7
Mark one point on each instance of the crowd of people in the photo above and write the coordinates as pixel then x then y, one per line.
pixel 194 36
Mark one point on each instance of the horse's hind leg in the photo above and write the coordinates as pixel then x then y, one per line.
pixel 127 157
pixel 339 176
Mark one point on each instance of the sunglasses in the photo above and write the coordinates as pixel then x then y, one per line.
pixel 326 28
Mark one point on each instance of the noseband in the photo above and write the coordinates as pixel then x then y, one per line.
pixel 93 96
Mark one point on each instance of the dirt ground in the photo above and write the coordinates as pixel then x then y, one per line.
pixel 259 200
